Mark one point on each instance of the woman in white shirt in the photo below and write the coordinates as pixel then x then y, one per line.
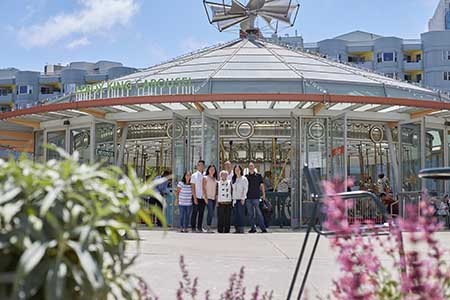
pixel 240 188
pixel 224 203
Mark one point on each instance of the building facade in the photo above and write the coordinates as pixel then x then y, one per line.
pixel 24 89
pixel 424 61
pixel 441 18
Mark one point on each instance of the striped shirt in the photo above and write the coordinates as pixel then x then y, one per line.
pixel 185 197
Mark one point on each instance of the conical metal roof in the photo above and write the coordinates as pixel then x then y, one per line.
pixel 261 66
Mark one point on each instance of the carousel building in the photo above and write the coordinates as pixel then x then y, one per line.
pixel 251 100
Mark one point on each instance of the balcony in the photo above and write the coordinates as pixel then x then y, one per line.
pixel 6 99
pixel 364 64
pixel 50 96
pixel 412 65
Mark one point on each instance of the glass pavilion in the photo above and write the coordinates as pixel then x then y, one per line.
pixel 254 100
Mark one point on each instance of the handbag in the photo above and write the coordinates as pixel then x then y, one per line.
pixel 265 205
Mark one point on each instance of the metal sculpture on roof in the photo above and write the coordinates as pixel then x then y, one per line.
pixel 228 13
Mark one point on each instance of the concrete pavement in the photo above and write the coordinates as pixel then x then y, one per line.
pixel 269 261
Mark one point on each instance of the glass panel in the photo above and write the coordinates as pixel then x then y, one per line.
pixel 314 152
pixel 434 158
pixel 38 146
pixel 57 138
pixel 148 148
pixel 368 155
pixel 195 135
pixel 104 143
pixel 80 140
pixel 210 140
pixel 179 148
pixel 314 148
pixel 410 156
pixel 338 149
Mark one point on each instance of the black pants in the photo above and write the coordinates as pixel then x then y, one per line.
pixel 224 217
pixel 155 202
pixel 197 215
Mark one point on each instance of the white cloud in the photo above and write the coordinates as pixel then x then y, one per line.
pixel 93 16
pixel 84 41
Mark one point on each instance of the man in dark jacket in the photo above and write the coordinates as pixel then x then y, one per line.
pixel 255 190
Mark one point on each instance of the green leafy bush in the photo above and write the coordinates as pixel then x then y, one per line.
pixel 63 227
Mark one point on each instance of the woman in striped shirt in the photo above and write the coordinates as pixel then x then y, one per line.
pixel 184 201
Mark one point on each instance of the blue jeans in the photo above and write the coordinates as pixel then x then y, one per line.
pixel 255 213
pixel 185 215
pixel 239 213
pixel 211 209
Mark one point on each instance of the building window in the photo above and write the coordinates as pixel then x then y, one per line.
pixel 386 56
pixel 379 57
pixel 418 77
pixel 408 77
pixel 24 89
pixel 418 57
pixel 447 55
pixel 70 87
pixel 447 76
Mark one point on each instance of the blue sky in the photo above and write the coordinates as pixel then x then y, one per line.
pixel 141 33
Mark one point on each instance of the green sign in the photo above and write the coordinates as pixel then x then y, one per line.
pixel 104 153
pixel 127 85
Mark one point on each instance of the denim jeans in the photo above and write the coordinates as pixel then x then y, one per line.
pixel 239 212
pixel 211 209
pixel 197 215
pixel 185 215
pixel 254 214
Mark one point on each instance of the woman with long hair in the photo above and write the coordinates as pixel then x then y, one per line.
pixel 184 201
pixel 240 188
pixel 210 194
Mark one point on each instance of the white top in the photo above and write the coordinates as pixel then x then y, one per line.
pixel 230 176
pixel 197 179
pixel 240 188
pixel 224 192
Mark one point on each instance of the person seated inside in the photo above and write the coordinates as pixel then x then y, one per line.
pixel 388 202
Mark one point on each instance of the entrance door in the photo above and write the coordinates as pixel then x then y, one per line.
pixel 314 153
pixel 435 153
pixel 411 149
pixel 338 137
pixel 210 139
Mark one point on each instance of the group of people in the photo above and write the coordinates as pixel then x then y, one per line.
pixel 230 191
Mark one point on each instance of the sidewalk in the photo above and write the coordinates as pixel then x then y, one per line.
pixel 269 261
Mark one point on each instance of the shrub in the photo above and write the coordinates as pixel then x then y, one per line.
pixel 63 227
pixel 416 272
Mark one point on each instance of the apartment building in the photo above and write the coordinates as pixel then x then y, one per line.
pixel 424 61
pixel 23 89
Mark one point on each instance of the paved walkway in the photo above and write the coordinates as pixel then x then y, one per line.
pixel 269 261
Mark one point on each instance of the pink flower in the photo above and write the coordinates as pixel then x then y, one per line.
pixel 422 274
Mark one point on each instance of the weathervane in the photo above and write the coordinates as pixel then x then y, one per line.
pixel 228 13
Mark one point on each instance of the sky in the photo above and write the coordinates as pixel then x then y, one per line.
pixel 141 33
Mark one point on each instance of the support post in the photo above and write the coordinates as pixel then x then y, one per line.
pixel 123 140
